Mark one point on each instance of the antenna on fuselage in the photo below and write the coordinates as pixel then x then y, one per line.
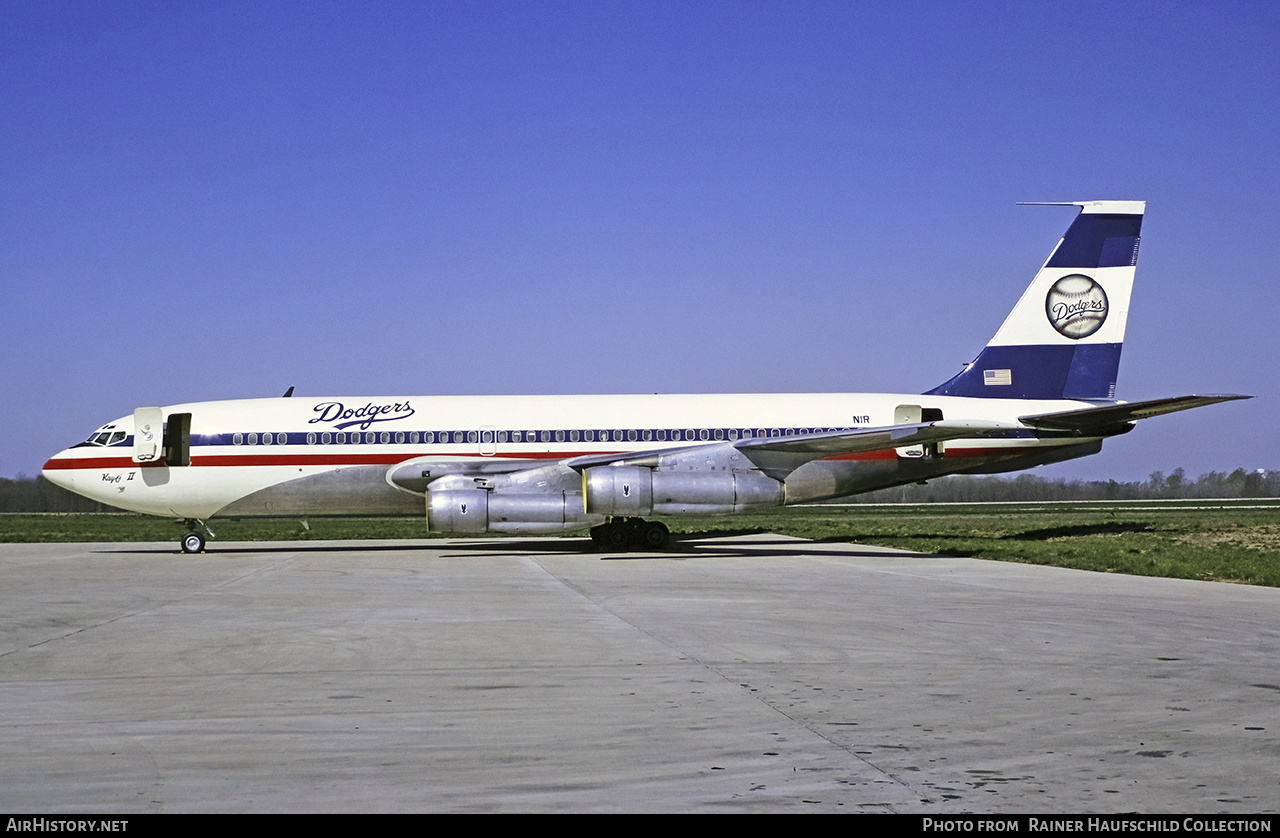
pixel 287 393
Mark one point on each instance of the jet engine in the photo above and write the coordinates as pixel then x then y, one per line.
pixel 465 511
pixel 635 490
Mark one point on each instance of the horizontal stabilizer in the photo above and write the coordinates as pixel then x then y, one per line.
pixel 1098 418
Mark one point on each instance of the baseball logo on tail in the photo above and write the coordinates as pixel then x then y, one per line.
pixel 1076 306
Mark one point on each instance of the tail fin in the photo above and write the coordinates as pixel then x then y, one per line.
pixel 1062 340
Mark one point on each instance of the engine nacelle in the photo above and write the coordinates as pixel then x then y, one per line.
pixel 475 511
pixel 635 490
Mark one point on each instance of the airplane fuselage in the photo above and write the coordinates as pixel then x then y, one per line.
pixel 353 455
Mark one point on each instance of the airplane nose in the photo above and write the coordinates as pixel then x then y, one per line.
pixel 57 473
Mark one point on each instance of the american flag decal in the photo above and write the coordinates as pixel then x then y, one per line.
pixel 997 378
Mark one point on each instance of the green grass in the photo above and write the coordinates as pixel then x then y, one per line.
pixel 1231 541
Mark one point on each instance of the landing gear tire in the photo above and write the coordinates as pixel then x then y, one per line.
pixel 631 533
pixel 193 542
pixel 653 535
pixel 610 537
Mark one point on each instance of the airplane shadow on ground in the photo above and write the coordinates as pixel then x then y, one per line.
pixel 682 549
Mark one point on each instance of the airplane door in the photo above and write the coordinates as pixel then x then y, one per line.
pixel 177 439
pixel 908 414
pixel 148 434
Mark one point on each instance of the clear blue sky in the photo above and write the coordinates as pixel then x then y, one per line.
pixel 207 200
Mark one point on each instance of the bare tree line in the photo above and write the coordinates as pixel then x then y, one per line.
pixel 35 494
pixel 1240 483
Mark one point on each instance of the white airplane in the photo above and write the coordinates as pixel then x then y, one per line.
pixel 1042 391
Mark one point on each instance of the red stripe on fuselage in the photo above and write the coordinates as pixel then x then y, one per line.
pixel 91 462
pixel 886 454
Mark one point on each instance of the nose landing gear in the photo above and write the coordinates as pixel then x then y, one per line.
pixel 194 541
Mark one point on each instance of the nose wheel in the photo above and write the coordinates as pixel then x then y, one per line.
pixel 194 541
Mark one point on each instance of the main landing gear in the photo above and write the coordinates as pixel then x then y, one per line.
pixel 630 533
pixel 194 541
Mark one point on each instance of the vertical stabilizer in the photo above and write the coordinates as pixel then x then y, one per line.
pixel 1063 338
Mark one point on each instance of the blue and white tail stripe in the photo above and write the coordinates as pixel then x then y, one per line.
pixel 1063 338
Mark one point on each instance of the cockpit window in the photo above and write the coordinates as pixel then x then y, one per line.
pixel 106 435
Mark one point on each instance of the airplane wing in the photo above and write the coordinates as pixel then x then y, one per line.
pixel 1093 421
pixel 775 456
pixel 780 455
